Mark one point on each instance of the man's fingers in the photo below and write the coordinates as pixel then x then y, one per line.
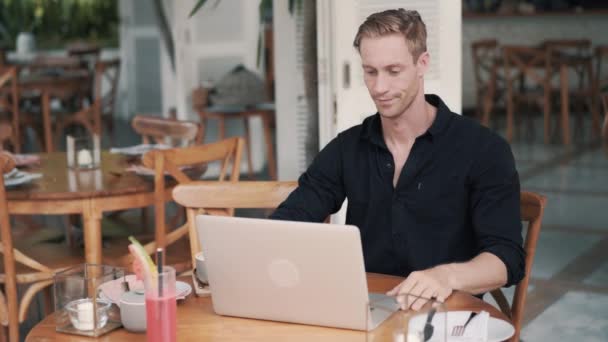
pixel 423 299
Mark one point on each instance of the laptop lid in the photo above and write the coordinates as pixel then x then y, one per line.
pixel 287 271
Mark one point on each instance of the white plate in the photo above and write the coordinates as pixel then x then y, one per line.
pixel 498 330
pixel 112 290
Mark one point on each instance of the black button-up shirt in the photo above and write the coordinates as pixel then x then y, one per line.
pixel 457 195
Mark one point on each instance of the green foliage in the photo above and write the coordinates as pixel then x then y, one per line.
pixel 57 22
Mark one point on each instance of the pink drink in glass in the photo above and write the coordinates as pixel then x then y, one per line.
pixel 161 319
pixel 161 307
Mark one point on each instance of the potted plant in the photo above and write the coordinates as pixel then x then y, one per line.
pixel 18 20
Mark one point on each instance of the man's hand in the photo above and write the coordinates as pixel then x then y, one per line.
pixel 430 283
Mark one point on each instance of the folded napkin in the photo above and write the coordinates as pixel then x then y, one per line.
pixel 138 149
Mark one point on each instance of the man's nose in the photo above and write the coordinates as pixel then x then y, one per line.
pixel 381 85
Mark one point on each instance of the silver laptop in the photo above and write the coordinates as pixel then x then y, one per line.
pixel 298 272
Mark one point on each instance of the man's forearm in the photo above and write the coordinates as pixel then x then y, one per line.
pixel 481 274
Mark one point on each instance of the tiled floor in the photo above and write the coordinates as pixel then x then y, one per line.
pixel 568 298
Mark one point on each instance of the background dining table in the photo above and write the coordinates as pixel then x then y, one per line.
pixel 89 193
pixel 196 321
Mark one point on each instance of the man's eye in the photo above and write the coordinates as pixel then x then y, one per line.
pixel 370 72
pixel 393 72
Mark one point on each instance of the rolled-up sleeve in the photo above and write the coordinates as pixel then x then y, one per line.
pixel 320 190
pixel 495 206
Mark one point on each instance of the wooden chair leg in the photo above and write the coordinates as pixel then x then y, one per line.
pixel 565 100
pixel 48 300
pixel 248 146
pixel 547 111
pixel 510 109
pixel 222 128
pixel 144 219
pixel 272 166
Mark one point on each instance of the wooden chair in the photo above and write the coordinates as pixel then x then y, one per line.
pixel 156 130
pixel 107 72
pixel 489 86
pixel 21 269
pixel 204 197
pixel 532 208
pixel 528 65
pixel 200 105
pixel 170 161
pixel 102 108
pixel 9 103
pixel 88 53
pixel 601 80
pixel 564 56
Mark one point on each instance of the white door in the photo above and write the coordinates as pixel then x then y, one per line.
pixel 351 101
pixel 141 58
pixel 207 46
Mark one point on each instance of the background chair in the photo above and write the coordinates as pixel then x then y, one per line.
pixel 108 73
pixel 21 269
pixel 530 66
pixel 489 86
pixel 572 56
pixel 200 103
pixel 532 207
pixel 204 197
pixel 171 161
pixel 155 130
pixel 9 108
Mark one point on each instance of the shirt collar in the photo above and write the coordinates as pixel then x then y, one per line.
pixel 372 127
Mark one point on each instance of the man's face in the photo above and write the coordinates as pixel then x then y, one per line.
pixel 391 75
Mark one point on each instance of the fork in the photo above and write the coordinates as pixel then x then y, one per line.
pixel 458 330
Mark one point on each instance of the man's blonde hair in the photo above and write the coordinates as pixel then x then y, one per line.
pixel 407 23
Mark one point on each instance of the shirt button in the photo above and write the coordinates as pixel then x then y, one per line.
pixel 389 165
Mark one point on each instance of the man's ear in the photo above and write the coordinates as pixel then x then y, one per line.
pixel 422 65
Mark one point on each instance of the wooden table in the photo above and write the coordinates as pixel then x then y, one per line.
pixel 196 321
pixel 88 193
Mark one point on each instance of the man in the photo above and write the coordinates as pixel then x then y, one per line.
pixel 435 195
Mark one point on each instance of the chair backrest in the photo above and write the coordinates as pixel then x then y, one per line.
pixel 576 54
pixel 55 62
pixel 601 74
pixel 170 161
pixel 156 130
pixel 527 61
pixel 485 53
pixel 107 72
pixel 203 196
pixel 532 208
pixel 9 101
pixel 86 52
pixel 10 282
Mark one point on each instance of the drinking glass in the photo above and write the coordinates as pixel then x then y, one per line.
pixel 161 306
